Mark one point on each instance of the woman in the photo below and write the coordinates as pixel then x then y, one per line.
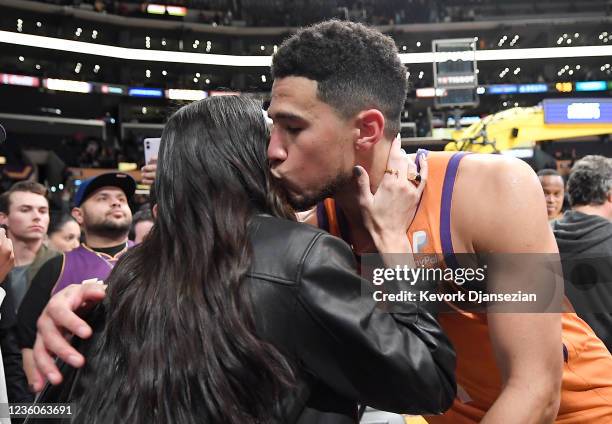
pixel 230 312
pixel 64 233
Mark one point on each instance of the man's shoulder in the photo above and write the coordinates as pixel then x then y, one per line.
pixel 45 253
pixel 493 193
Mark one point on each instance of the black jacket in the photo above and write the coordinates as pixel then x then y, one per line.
pixel 308 302
pixel 585 244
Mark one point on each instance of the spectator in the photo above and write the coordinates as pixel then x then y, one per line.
pixel 101 208
pixel 554 191
pixel 24 210
pixel 141 224
pixel 584 237
pixel 64 232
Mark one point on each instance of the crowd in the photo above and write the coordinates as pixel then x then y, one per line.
pixel 230 311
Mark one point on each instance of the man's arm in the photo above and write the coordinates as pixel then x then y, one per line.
pixel 31 307
pixel 499 207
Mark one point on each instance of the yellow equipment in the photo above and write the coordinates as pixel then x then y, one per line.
pixel 518 128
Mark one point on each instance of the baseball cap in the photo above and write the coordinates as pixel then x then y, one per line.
pixel 113 179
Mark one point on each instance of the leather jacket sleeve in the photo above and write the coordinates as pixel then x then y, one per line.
pixel 397 362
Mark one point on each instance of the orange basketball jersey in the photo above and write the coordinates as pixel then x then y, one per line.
pixel 587 375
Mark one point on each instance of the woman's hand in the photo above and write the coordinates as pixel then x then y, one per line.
pixel 388 213
pixel 58 321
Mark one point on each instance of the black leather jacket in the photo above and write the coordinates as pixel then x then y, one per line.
pixel 308 302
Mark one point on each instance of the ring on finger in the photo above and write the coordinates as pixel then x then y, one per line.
pixel 392 172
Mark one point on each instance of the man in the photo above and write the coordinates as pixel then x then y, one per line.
pixel 554 192
pixel 336 101
pixel 141 224
pixel 330 115
pixel 102 211
pixel 584 237
pixel 24 211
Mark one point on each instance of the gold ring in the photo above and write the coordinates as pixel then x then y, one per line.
pixel 392 172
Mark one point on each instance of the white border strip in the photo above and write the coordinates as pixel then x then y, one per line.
pixel 265 61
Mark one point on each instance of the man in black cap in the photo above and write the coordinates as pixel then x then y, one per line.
pixel 101 208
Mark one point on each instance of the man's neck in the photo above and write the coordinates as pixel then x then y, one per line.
pixel 347 199
pixel 25 250
pixel 599 210
pixel 96 241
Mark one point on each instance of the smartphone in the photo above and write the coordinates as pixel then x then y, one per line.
pixel 151 148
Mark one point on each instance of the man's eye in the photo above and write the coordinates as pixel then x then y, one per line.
pixel 294 130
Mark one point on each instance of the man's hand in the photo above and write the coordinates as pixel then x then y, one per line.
pixel 57 322
pixel 388 213
pixel 148 172
pixel 7 255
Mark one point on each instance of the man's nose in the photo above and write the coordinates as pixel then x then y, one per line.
pixel 276 151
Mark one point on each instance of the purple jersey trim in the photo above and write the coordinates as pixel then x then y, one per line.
pixel 445 212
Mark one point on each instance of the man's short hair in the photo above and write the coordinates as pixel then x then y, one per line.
pixel 590 181
pixel 143 214
pixel 21 186
pixel 356 68
pixel 548 173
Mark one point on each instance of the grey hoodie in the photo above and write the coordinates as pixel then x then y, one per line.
pixel 585 244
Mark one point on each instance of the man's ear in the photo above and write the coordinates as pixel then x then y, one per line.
pixel 154 211
pixel 371 126
pixel 77 214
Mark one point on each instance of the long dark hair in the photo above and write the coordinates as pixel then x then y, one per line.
pixel 178 343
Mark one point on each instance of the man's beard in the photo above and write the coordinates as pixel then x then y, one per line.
pixel 110 229
pixel 302 202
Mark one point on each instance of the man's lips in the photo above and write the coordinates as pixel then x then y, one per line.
pixel 36 228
